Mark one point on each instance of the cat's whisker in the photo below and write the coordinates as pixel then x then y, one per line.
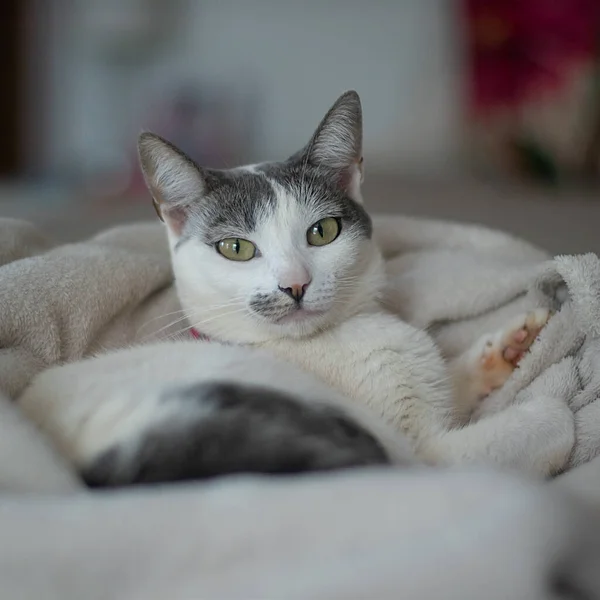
pixel 183 311
pixel 230 301
pixel 204 309
pixel 349 278
pixel 199 324
pixel 167 326
pixel 339 284
pixel 169 314
pixel 212 307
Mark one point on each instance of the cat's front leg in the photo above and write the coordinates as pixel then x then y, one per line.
pixel 489 363
pixel 407 383
pixel 536 435
pixel 387 364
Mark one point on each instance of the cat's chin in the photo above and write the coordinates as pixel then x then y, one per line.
pixel 302 315
pixel 297 324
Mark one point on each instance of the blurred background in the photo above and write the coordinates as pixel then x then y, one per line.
pixel 475 110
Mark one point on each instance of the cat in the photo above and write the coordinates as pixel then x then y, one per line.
pixel 276 269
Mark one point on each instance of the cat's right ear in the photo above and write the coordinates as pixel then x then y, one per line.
pixel 175 182
pixel 337 144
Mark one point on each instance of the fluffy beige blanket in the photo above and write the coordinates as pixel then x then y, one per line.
pixel 354 535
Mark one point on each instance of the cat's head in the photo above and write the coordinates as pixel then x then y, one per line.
pixel 270 250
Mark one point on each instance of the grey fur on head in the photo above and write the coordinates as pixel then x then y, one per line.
pixel 210 204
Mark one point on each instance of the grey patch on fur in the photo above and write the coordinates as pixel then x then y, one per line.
pixel 239 429
pixel 231 202
pixel 316 185
pixel 234 202
pixel 272 306
pixel 319 173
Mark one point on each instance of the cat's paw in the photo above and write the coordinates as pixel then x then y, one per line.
pixel 510 343
pixel 502 351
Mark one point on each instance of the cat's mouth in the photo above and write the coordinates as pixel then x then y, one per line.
pixel 298 315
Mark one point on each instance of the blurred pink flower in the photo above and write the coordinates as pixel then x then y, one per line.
pixel 520 49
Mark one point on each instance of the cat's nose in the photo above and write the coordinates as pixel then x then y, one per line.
pixel 296 290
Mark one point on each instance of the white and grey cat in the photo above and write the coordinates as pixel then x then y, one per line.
pixel 276 265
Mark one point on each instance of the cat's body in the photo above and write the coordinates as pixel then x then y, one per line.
pixel 280 257
pixel 155 411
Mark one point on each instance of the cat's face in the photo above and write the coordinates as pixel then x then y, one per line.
pixel 271 250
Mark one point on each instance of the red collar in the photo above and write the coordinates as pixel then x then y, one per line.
pixel 199 336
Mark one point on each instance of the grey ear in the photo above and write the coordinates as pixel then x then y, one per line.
pixel 337 142
pixel 173 179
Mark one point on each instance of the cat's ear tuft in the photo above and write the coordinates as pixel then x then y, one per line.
pixel 337 143
pixel 175 182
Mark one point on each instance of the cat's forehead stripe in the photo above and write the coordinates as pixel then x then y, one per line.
pixel 238 200
pixel 311 186
pixel 235 202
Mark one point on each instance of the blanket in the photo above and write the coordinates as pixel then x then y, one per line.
pixel 458 535
pixel 61 303
pixel 459 290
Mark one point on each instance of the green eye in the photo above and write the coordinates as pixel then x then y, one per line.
pixel 323 232
pixel 236 249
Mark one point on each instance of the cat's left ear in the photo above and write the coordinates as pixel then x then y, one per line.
pixel 337 144
pixel 175 182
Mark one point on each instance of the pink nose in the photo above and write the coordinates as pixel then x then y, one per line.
pixel 296 290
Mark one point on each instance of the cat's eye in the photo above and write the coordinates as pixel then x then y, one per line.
pixel 323 232
pixel 236 249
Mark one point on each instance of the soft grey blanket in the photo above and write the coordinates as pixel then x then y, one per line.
pixel 354 535
pixel 382 535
